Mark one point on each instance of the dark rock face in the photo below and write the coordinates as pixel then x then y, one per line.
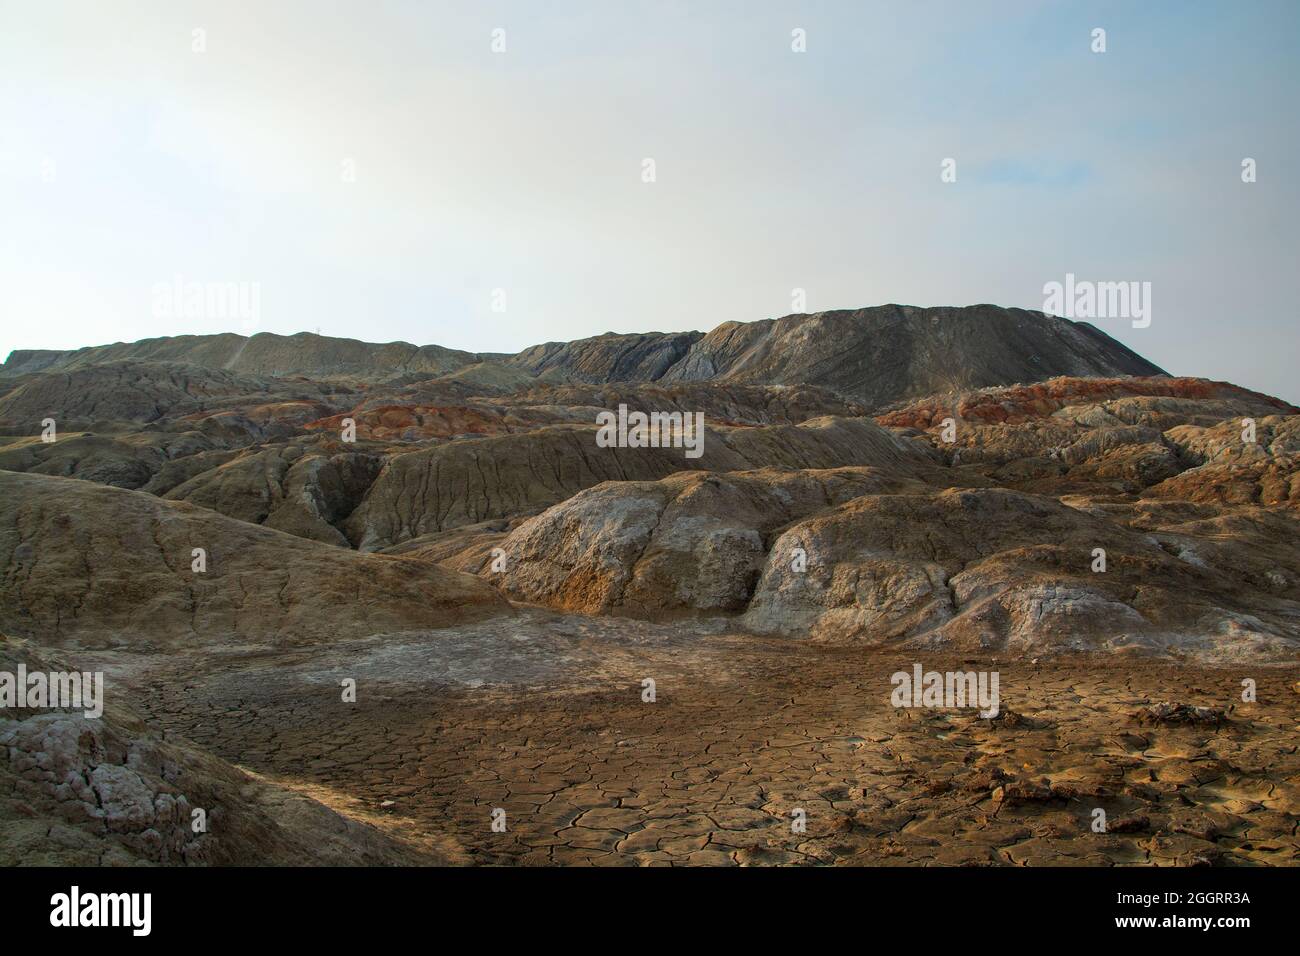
pixel 608 358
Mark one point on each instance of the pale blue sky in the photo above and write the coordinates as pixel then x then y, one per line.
pixel 522 170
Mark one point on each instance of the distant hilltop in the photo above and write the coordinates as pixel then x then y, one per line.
pixel 876 355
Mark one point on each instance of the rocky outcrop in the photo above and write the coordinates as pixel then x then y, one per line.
pixel 828 556
pixel 1058 456
pixel 112 791
pixel 107 567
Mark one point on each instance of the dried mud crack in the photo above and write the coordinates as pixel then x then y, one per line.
pixel 543 717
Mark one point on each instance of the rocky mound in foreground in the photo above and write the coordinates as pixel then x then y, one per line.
pixel 105 566
pixel 977 569
pixel 111 791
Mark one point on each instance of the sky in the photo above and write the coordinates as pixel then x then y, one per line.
pixel 379 171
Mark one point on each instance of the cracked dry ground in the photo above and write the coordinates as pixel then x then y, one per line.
pixel 542 715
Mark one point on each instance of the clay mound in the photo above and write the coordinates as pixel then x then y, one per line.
pixel 486 378
pixel 476 383
pixel 111 791
pixel 883 354
pixel 994 569
pixel 246 423
pixel 468 482
pixel 105 566
pixel 468 548
pixel 690 543
pixel 863 556
pixel 1252 547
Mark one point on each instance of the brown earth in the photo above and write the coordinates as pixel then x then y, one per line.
pixel 545 719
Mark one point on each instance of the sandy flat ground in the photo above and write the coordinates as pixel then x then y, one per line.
pixel 542 715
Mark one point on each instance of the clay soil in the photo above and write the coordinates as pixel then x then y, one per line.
pixel 542 715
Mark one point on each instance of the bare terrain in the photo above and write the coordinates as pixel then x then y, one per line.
pixel 977 490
